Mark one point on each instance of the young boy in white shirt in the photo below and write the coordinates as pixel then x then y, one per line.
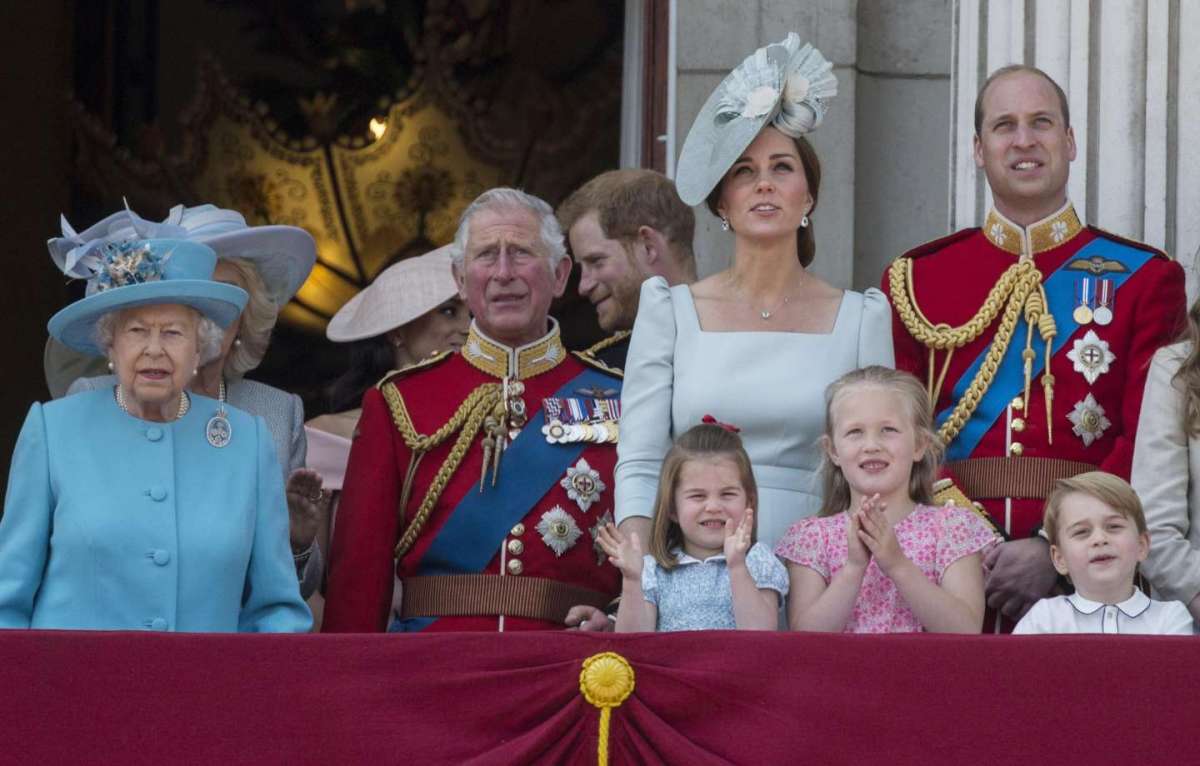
pixel 1097 535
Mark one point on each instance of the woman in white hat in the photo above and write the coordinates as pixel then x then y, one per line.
pixel 755 344
pixel 113 519
pixel 408 314
pixel 270 263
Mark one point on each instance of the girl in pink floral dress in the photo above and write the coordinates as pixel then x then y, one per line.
pixel 879 558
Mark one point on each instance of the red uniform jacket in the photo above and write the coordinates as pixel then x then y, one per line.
pixel 368 526
pixel 951 280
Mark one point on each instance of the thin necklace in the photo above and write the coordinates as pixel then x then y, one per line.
pixel 766 314
pixel 184 402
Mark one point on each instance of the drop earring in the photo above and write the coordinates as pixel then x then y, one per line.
pixel 804 221
pixel 724 223
pixel 111 367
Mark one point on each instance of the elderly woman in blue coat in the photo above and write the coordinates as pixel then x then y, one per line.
pixel 270 263
pixel 144 506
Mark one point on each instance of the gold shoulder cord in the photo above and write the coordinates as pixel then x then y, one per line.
pixel 466 420
pixel 1019 290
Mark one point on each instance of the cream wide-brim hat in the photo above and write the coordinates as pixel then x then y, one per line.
pixel 401 293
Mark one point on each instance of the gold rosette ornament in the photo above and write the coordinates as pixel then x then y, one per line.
pixel 606 681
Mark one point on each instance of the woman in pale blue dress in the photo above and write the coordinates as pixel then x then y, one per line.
pixel 754 345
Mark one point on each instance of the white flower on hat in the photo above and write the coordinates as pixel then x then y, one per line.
pixel 760 101
pixel 797 87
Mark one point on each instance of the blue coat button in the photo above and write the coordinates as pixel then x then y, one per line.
pixel 158 494
pixel 162 557
pixel 154 433
pixel 158 623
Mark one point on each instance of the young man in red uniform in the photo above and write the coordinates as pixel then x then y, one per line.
pixel 982 313
pixel 478 480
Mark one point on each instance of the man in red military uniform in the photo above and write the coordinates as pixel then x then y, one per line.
pixel 478 480
pixel 982 313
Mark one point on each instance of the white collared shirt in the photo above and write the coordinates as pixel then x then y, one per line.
pixel 1138 614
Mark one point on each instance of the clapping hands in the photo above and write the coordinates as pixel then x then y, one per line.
pixel 875 536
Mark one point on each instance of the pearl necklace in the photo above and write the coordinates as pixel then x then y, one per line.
pixel 184 403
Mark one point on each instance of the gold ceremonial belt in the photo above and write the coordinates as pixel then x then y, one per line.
pixel 993 477
pixel 536 598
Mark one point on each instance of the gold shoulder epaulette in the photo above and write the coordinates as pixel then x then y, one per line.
pixel 598 364
pixel 946 492
pixel 611 340
pixel 428 361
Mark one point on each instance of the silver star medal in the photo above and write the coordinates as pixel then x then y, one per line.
pixel 559 530
pixel 1088 419
pixel 218 431
pixel 583 484
pixel 1091 356
pixel 605 519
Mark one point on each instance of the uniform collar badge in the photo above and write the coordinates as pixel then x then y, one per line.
pixel 1091 356
pixel 1046 234
pixel 501 361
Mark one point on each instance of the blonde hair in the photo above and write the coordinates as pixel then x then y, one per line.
pixel 698 442
pixel 1187 378
pixel 835 489
pixel 1111 490
pixel 258 320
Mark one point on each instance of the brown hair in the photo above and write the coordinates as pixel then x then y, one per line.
pixel 702 441
pixel 1014 69
pixel 1187 377
pixel 1111 490
pixel 835 489
pixel 625 200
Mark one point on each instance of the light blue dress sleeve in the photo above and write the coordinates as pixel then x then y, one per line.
pixel 650 579
pixel 272 603
pixel 766 570
pixel 646 402
pixel 875 331
pixel 27 523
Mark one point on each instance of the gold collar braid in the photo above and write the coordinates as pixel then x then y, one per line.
pixel 1026 241
pixel 1019 290
pixel 484 402
pixel 501 361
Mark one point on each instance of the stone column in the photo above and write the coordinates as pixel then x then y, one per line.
pixel 1130 70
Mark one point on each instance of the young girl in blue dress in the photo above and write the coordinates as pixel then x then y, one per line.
pixel 704 570
pixel 880 557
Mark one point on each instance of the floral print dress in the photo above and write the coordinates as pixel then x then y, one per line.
pixel 932 538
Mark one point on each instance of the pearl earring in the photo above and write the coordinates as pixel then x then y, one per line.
pixel 111 367
pixel 724 223
pixel 804 222
pixel 237 341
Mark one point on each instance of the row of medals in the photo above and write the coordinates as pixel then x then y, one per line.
pixel 1089 292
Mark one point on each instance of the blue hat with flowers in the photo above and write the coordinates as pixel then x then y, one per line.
pixel 125 268
pixel 784 84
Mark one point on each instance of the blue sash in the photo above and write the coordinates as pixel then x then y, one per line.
pixel 479 523
pixel 1010 377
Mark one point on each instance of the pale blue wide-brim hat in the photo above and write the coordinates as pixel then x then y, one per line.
pixel 129 273
pixel 784 84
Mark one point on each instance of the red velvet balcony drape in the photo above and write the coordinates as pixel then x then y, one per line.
pixel 700 698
